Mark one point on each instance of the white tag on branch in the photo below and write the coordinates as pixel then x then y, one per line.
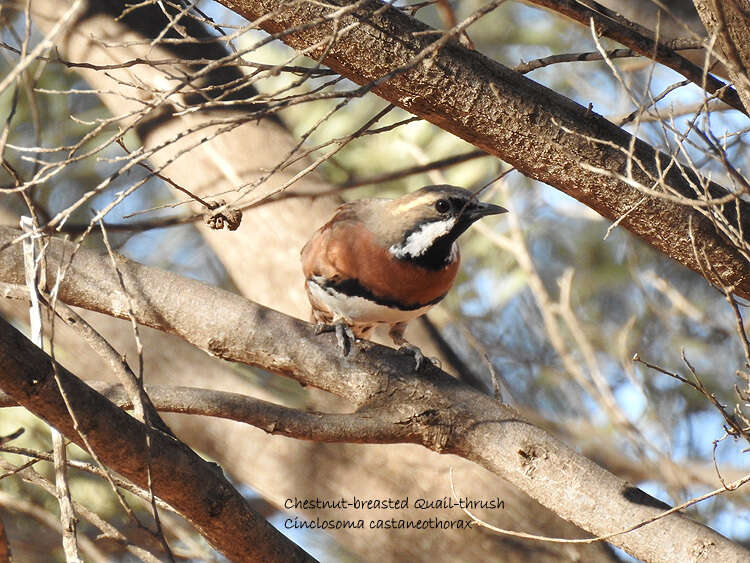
pixel 31 270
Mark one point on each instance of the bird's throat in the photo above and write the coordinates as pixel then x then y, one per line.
pixel 431 245
pixel 444 251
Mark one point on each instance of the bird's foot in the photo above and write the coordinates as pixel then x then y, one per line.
pixel 344 334
pixel 414 351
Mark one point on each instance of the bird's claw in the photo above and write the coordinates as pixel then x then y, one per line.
pixel 344 337
pixel 320 328
pixel 344 334
pixel 414 351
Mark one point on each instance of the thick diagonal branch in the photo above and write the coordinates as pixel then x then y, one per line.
pixel 443 414
pixel 546 136
pixel 195 488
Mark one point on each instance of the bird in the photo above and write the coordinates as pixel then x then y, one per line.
pixel 387 261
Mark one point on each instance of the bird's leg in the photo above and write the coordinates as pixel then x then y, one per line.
pixel 344 336
pixel 344 333
pixel 397 335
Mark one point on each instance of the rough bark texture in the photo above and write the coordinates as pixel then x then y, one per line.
pixel 543 134
pixel 282 468
pixel 438 411
pixel 729 21
pixel 277 466
pixel 215 508
pixel 262 258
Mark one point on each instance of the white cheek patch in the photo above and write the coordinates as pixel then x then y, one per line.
pixel 420 241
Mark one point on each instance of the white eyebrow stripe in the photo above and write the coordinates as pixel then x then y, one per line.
pixel 421 240
pixel 424 198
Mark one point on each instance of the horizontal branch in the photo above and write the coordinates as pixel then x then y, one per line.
pixel 367 427
pixel 546 136
pixel 437 411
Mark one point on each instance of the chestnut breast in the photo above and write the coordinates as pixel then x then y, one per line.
pixel 345 249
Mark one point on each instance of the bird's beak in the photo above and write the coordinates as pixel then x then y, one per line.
pixel 479 209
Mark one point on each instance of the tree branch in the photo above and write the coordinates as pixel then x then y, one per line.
pixel 440 412
pixel 373 426
pixel 545 135
pixel 729 22
pixel 642 41
pixel 215 508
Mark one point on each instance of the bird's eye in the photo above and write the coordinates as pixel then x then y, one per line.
pixel 442 206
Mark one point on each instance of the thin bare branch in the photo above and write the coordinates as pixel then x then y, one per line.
pixel 441 413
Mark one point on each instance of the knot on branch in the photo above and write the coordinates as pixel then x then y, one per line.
pixel 433 428
pixel 530 456
pixel 217 348
pixel 222 216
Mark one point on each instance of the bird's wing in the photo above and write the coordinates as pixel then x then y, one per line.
pixel 316 254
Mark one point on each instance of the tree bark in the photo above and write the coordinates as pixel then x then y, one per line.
pixel 544 135
pixel 262 259
pixel 240 254
pixel 191 485
pixel 429 408
pixel 729 22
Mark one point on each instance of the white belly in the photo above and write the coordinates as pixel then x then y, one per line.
pixel 358 309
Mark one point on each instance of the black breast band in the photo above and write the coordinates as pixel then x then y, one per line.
pixel 352 288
